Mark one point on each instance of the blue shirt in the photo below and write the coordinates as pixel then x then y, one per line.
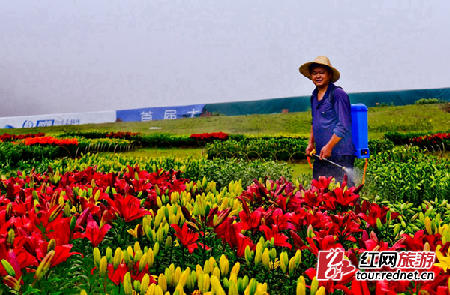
pixel 329 119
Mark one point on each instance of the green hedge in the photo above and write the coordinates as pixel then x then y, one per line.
pixel 273 149
pixel 282 149
pixel 378 146
pixel 408 175
pixel 11 154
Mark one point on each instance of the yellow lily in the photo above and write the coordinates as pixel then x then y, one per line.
pixel 444 262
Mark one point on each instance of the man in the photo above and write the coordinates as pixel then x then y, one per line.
pixel 331 128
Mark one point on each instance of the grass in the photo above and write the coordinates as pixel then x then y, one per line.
pixel 156 153
pixel 381 119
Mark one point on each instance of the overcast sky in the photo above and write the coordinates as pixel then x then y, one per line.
pixel 77 56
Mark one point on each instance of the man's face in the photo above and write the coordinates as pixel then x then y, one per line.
pixel 320 76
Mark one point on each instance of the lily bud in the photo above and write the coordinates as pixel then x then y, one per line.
pixel 150 258
pixel 396 229
pixel 109 254
pixel 379 224
pixel 144 285
pixel 184 277
pixel 177 276
pixel 44 266
pixel 127 287
pixel 159 290
pixel 217 286
pixel 207 267
pixel 224 265
pixel 266 258
pixel 169 243
pixel 117 257
pixel 310 231
pixel 156 249
pixel 136 285
pixel 97 256
pixel 252 286
pixel 83 292
pixel 126 257
pixel 73 223
pixel 248 255
pixel 314 285
pixel 143 262
pixel 103 266
pixel 321 291
pixel 216 272
pixel 162 283
pixel 8 267
pixel 233 278
pixel 427 222
pixel 236 268
pixel 9 209
pixel 426 247
pixel 191 280
pixel 160 235
pixel 273 254
pixel 10 238
pixel 283 265
pixel 137 256
pixel 292 266
pixel 301 288
pixel 233 289
pixel 66 210
pixel 61 201
pixel 388 217
pixel 11 282
pixel 241 285
pixel 55 213
pixel 206 283
pixel 226 283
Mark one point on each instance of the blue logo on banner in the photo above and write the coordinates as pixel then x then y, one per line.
pixel 8 126
pixel 45 123
pixel 160 113
pixel 27 124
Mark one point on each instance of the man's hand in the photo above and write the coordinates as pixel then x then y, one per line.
pixel 325 152
pixel 310 148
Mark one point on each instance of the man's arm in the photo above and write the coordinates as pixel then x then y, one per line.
pixel 342 109
pixel 326 150
pixel 311 143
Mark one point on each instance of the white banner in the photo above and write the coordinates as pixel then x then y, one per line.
pixel 57 119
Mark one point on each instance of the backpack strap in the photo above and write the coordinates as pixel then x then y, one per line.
pixel 330 96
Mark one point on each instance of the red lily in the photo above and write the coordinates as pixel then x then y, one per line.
pixel 279 238
pixel 129 208
pixel 94 233
pixel 187 237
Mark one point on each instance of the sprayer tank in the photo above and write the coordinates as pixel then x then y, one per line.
pixel 360 134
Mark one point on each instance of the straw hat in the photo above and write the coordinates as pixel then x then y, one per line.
pixel 321 60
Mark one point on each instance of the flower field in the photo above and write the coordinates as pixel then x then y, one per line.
pixel 115 225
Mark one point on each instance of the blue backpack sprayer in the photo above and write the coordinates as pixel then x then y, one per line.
pixel 360 136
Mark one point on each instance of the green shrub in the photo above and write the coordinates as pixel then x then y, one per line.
pixel 11 154
pixel 377 146
pixel 283 149
pixel 408 175
pixel 430 101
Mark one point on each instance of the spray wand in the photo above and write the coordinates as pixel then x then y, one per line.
pixel 313 153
